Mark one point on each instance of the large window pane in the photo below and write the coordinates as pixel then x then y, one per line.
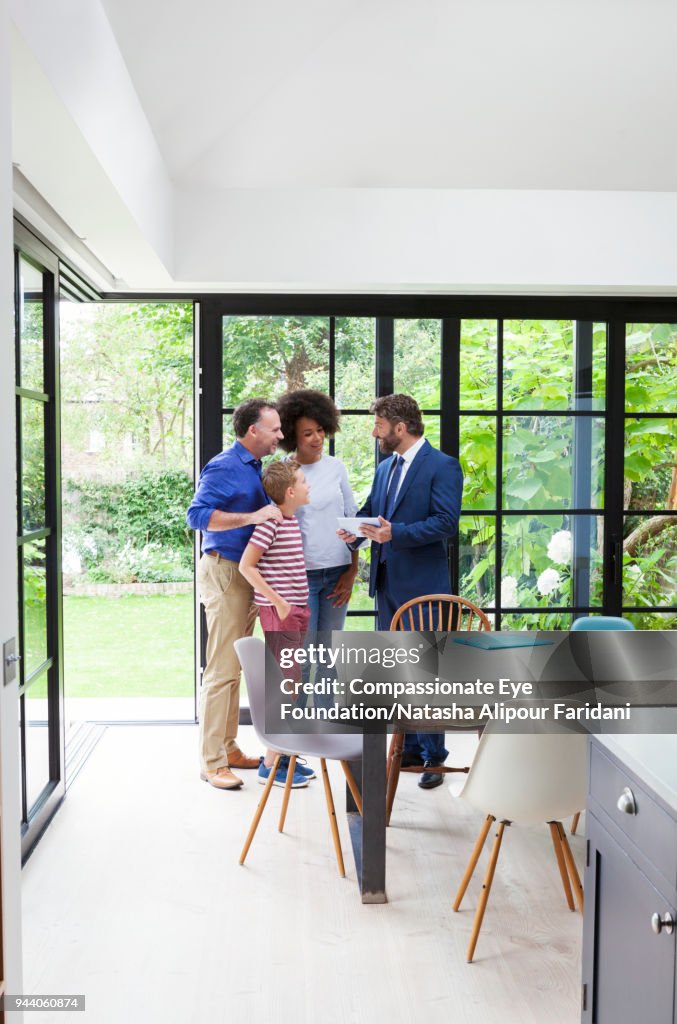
pixel 650 560
pixel 551 560
pixel 33 464
pixel 650 457
pixel 355 362
pixel 354 445
pixel 478 461
pixel 35 606
pixel 651 368
pixel 538 364
pixel 268 355
pixel 477 559
pixel 418 353
pixel 553 462
pixel 31 341
pixel 478 364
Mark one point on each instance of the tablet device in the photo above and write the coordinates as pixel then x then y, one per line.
pixel 354 524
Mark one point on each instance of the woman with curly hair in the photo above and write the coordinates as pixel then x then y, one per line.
pixel 308 418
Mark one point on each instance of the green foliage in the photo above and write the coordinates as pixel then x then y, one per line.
pixel 132 531
pixel 269 355
pixel 126 372
pixel 34 574
pixel 294 353
pixel 651 368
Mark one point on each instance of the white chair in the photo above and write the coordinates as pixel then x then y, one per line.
pixel 331 745
pixel 525 779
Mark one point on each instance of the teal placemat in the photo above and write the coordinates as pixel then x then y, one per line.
pixel 497 642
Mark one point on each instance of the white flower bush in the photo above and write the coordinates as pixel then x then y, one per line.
pixel 509 592
pixel 559 548
pixel 548 581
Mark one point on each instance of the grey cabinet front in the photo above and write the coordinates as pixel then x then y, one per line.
pixel 628 969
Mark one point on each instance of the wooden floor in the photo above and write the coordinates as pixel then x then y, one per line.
pixel 134 897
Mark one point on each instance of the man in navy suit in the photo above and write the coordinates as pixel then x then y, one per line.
pixel 416 495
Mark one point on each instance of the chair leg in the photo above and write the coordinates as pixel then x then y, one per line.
pixel 396 747
pixel 259 810
pixel 332 818
pixel 287 790
pixel 559 854
pixel 574 822
pixel 486 889
pixel 474 857
pixel 571 866
pixel 352 785
pixel 389 758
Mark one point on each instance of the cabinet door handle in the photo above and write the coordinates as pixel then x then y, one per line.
pixel 665 923
pixel 626 802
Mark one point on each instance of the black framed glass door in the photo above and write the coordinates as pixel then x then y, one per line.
pixel 561 411
pixel 40 711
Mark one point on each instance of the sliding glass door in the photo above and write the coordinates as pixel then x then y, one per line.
pixel 40 711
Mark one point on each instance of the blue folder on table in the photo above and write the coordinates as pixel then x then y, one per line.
pixel 499 642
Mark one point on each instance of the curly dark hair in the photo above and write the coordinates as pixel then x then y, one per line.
pixel 304 402
pixel 400 409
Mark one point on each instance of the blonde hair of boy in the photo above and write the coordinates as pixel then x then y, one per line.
pixel 278 477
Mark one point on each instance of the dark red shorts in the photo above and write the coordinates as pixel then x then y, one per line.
pixel 289 632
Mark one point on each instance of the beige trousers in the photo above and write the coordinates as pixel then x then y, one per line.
pixel 231 613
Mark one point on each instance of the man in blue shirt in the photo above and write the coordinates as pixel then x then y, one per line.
pixel 228 504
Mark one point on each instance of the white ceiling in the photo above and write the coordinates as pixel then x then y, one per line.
pixel 533 94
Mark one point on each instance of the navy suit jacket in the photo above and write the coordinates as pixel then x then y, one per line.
pixel 424 518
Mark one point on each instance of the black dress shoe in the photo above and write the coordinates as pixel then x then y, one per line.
pixel 430 780
pixel 411 760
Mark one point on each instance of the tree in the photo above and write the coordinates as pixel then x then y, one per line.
pixel 126 372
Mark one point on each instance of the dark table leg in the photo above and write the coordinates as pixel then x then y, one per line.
pixel 368 833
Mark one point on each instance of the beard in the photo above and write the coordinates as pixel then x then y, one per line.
pixel 389 443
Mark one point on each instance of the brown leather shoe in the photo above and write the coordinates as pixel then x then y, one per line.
pixel 222 778
pixel 236 759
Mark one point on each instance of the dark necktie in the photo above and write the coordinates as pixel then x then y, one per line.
pixel 390 503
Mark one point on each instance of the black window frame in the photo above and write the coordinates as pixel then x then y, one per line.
pixel 616 313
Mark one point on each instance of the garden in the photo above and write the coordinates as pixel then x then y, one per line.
pixel 532 447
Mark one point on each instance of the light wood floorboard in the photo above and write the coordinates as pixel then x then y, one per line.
pixel 135 898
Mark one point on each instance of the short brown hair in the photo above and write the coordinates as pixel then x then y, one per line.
pixel 400 409
pixel 248 413
pixel 278 477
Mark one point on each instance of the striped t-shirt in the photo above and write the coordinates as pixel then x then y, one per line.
pixel 282 564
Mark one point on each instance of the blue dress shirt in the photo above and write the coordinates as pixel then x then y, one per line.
pixel 230 482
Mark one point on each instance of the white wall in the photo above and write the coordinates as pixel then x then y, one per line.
pixel 490 241
pixel 76 48
pixel 86 143
pixel 9 733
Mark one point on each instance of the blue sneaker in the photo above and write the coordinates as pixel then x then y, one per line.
pixel 297 782
pixel 300 768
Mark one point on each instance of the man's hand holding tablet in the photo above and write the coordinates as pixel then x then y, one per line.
pixel 351 527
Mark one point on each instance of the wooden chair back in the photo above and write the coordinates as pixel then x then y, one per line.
pixel 446 612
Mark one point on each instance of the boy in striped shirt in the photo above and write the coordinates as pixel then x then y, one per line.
pixel 274 565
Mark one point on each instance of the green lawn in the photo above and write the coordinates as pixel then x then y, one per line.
pixel 134 646
pixel 128 646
